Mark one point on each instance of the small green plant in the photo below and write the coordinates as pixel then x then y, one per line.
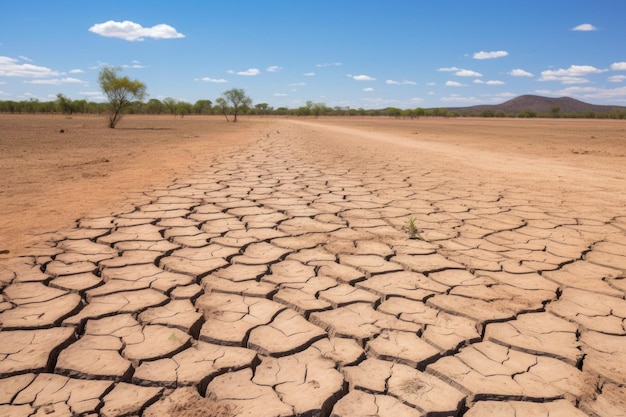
pixel 412 229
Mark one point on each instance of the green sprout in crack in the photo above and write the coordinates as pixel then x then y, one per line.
pixel 174 338
pixel 413 234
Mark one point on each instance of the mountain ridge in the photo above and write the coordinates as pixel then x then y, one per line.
pixel 539 104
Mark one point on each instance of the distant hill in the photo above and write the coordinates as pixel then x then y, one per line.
pixel 538 104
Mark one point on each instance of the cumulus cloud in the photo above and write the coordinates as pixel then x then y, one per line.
pixel 468 73
pixel 575 74
pixel 490 55
pixel 368 89
pixel 404 82
pixel 131 31
pixel 134 65
pixel 213 80
pixel 453 84
pixel 76 71
pixel 10 67
pixel 250 72
pixel 506 95
pixel 618 66
pixel 57 81
pixel 461 72
pixel 585 27
pixel 362 77
pixel 455 98
pixel 617 78
pixel 329 64
pixel 518 72
pixel 274 68
pixel 490 82
pixel 25 58
pixel 589 93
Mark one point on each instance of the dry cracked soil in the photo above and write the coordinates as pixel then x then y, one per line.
pixel 194 268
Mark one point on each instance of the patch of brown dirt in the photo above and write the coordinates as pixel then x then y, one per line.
pixel 55 169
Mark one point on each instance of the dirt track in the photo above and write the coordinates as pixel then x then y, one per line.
pixel 277 278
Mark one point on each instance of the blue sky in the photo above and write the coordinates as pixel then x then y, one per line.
pixel 361 54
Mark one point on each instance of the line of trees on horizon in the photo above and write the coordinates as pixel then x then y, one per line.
pixel 181 108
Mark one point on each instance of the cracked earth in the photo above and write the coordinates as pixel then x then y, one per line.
pixel 280 280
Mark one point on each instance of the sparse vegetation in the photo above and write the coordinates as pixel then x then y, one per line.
pixel 120 91
pixel 413 232
pixel 238 101
pixel 526 109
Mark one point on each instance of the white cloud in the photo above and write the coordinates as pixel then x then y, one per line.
pixel 618 66
pixel 76 71
pixel 362 77
pixel 296 84
pixel 368 89
pixel 329 64
pixel 430 84
pixel 518 72
pixel 490 55
pixel 9 67
pixel 250 72
pixel 213 80
pixel 468 73
pixel 453 84
pixel 380 101
pixel 134 65
pixel 585 27
pixel 28 96
pixel 280 95
pixel 506 95
pixel 309 74
pixel 617 78
pixel 461 72
pixel 24 58
pixel 573 75
pixel 590 93
pixel 404 82
pixel 56 81
pixel 273 68
pixel 132 31
pixel 490 82
pixel 455 98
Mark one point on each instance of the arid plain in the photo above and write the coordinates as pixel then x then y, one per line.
pixel 191 267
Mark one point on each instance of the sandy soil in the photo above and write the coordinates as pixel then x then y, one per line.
pixel 586 156
pixel 266 268
pixel 55 169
